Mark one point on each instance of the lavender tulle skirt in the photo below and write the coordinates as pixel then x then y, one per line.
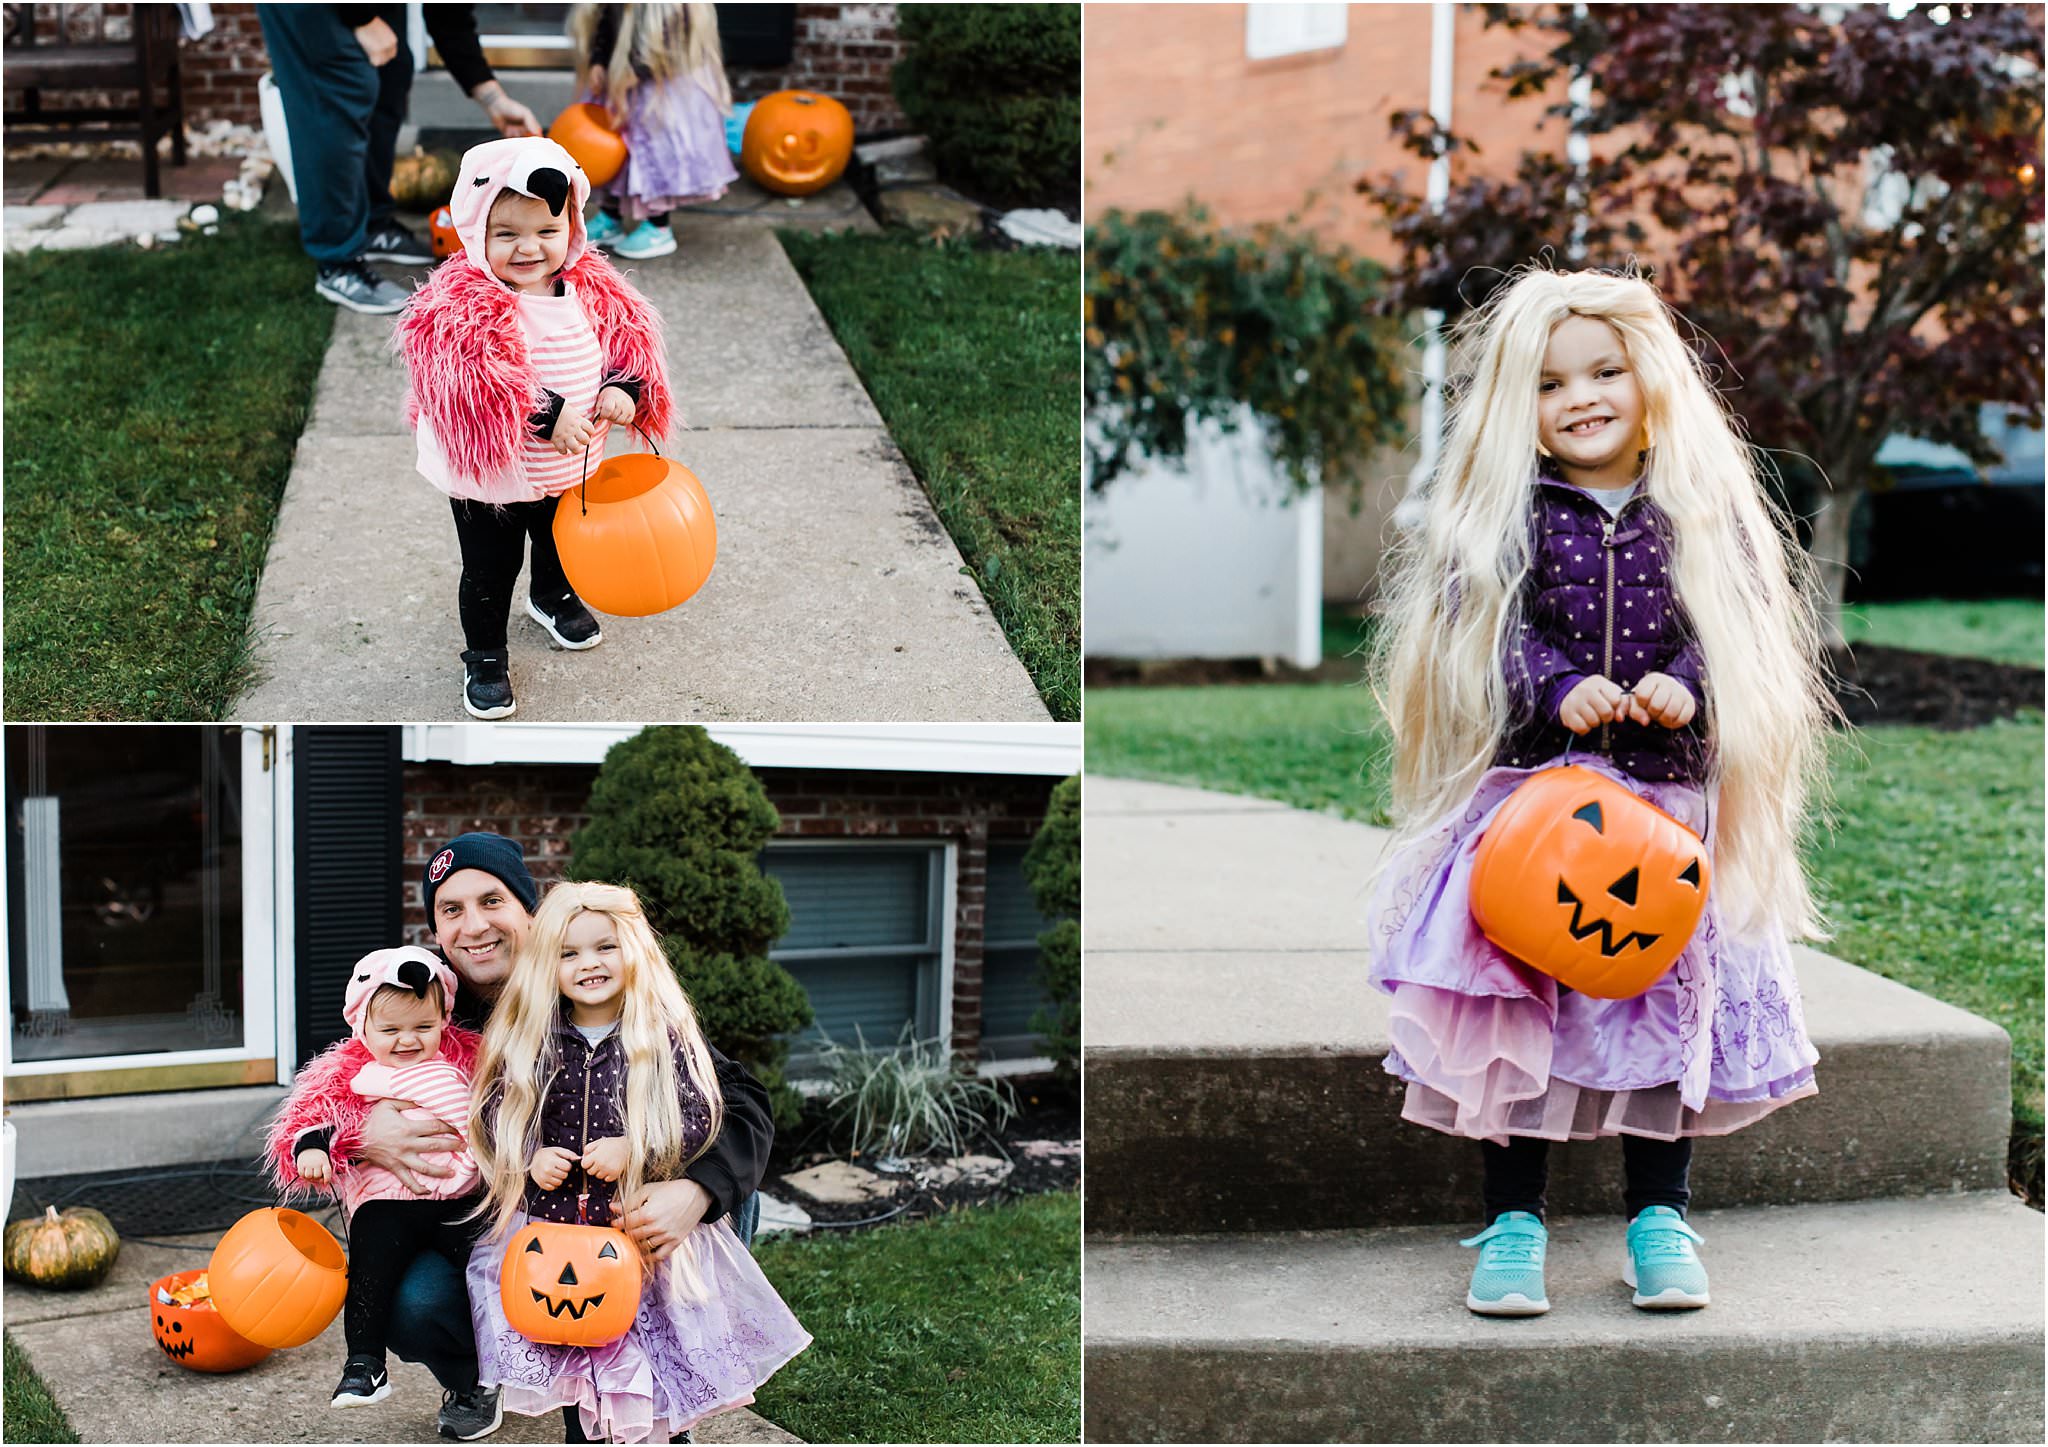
pixel 1491 1048
pixel 675 149
pixel 682 1361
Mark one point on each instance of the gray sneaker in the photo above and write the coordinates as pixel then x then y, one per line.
pixel 352 284
pixel 466 1416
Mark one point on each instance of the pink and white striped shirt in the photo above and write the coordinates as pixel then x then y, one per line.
pixel 442 1093
pixel 568 360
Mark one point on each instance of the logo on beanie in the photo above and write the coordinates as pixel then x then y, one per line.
pixel 438 870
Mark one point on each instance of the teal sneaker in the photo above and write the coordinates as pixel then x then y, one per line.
pixel 1662 1267
pixel 602 229
pixel 1508 1281
pixel 644 241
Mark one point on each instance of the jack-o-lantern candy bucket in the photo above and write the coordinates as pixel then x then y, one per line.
pixel 189 1330
pixel 586 133
pixel 278 1277
pixel 1581 879
pixel 796 142
pixel 572 1286
pixel 637 537
pixel 446 240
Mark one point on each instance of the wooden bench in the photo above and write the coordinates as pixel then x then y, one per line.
pixel 145 64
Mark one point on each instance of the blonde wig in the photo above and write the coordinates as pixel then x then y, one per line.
pixel 1742 580
pixel 519 1059
pixel 667 41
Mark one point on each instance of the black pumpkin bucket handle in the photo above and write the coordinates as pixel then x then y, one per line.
pixel 583 487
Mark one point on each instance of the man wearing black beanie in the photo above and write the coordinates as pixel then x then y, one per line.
pixel 480 899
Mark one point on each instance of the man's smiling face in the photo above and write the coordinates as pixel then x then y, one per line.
pixel 479 923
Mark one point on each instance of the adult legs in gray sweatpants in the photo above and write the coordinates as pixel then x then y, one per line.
pixel 343 114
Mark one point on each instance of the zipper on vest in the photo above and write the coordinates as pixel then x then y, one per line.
pixel 1607 655
pixel 583 1176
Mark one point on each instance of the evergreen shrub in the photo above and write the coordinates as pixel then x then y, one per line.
pixel 996 91
pixel 1052 866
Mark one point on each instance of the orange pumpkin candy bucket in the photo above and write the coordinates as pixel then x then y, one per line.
pixel 576 1286
pixel 189 1330
pixel 1581 879
pixel 278 1277
pixel 637 537
pixel 586 133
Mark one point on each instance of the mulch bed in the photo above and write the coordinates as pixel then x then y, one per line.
pixel 1875 685
pixel 1056 1116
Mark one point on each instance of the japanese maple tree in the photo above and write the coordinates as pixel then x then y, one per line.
pixel 1845 202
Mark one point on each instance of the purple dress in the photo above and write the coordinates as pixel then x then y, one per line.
pixel 675 149
pixel 1491 1048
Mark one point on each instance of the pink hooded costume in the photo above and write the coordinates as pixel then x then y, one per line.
pixel 338 1088
pixel 468 345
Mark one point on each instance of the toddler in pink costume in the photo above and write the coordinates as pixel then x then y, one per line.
pixel 523 349
pixel 401 1047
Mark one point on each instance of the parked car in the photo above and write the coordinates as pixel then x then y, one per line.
pixel 1940 526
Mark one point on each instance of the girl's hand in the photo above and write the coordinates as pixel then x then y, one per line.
pixel 314 1166
pixel 551 1166
pixel 1663 699
pixel 1594 701
pixel 606 1158
pixel 615 404
pixel 572 432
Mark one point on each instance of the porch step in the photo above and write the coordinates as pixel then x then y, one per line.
pixel 1895 1321
pixel 1233 1061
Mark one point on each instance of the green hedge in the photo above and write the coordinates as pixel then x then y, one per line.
pixel 996 90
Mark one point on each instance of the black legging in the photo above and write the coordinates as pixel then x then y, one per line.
pixel 493 548
pixel 383 1239
pixel 572 1428
pixel 1517 1174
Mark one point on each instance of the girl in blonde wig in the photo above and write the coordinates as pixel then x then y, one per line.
pixel 594 1079
pixel 660 71
pixel 1600 579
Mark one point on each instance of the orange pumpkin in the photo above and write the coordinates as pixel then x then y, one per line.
pixel 638 538
pixel 797 142
pixel 194 1336
pixel 446 241
pixel 576 1286
pixel 586 134
pixel 278 1277
pixel 1583 880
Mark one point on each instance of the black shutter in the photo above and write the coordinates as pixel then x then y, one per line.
pixel 347 853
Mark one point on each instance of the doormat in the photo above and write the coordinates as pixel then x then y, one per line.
pixel 163 1201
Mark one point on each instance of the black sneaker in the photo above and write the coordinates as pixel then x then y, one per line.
pixel 466 1416
pixel 487 683
pixel 392 242
pixel 571 625
pixel 363 1381
pixel 352 284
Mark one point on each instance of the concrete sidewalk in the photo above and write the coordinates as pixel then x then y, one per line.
pixel 97 1353
pixel 838 595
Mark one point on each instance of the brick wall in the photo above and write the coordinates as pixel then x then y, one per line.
pixel 844 51
pixel 219 70
pixel 1175 109
pixel 542 805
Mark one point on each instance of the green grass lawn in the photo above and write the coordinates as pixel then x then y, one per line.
pixel 2007 630
pixel 1933 873
pixel 973 358
pixel 153 399
pixel 31 1413
pixel 962 1328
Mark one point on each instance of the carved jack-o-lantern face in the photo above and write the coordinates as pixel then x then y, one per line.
pixel 570 1285
pixel 194 1336
pixel 796 142
pixel 1588 883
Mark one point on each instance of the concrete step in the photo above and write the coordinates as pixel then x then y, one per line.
pixel 1894 1321
pixel 1233 1050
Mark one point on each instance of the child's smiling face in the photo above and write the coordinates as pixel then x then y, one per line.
pixel 526 243
pixel 593 968
pixel 1589 409
pixel 402 1030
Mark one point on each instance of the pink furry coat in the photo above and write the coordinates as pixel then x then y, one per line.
pixel 321 1097
pixel 472 380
